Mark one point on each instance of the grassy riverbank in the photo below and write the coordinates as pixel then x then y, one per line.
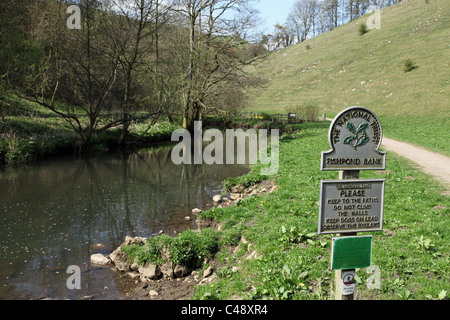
pixel 30 132
pixel 292 261
pixel 267 247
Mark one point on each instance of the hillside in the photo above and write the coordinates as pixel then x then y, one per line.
pixel 342 68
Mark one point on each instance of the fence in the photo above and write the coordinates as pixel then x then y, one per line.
pixel 280 117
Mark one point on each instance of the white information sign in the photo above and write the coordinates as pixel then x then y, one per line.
pixel 348 282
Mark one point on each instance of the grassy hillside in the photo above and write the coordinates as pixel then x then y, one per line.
pixel 342 68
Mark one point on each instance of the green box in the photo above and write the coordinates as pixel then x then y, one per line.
pixel 351 252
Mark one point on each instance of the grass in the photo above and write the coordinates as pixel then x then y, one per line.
pixel 189 248
pixel 430 131
pixel 293 261
pixel 31 132
pixel 343 69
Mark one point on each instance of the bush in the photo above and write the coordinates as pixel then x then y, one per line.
pixel 150 252
pixel 190 248
pixel 408 65
pixel 363 29
pixel 266 116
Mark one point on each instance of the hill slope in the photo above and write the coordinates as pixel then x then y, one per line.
pixel 341 68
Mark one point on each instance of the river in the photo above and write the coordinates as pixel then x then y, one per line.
pixel 56 213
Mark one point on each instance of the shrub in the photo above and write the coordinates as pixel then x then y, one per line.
pixel 266 116
pixel 408 65
pixel 150 252
pixel 191 247
pixel 363 29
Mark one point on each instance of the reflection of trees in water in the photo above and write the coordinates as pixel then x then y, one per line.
pixel 56 210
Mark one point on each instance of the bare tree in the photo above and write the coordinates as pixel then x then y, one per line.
pixel 302 17
pixel 135 32
pixel 215 28
pixel 331 12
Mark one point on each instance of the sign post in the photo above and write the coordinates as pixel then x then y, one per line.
pixel 350 205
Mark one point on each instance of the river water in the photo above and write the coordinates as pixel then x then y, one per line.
pixel 56 213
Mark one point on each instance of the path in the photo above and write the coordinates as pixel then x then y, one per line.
pixel 432 163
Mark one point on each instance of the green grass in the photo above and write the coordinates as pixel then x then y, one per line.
pixel 343 69
pixel 293 261
pixel 430 131
pixel 30 132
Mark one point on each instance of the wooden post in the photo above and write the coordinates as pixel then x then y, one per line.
pixel 344 175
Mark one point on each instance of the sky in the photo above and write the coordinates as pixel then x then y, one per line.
pixel 273 12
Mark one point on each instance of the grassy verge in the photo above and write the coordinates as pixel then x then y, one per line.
pixel 292 261
pixel 430 132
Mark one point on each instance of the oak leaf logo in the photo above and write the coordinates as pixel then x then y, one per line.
pixel 359 137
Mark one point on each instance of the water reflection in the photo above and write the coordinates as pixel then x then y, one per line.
pixel 52 215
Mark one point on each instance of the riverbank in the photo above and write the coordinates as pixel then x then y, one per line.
pixel 277 254
pixel 31 133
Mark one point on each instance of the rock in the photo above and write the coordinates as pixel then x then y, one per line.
pixel 235 196
pixel 187 218
pixel 99 259
pixel 237 189
pixel 153 293
pixel 181 271
pixel 167 269
pixel 119 259
pixel 234 269
pixel 208 272
pixel 217 198
pixel 149 272
pixel 136 240
pixel 196 211
pixel 208 280
pixel 134 267
pixel 133 275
